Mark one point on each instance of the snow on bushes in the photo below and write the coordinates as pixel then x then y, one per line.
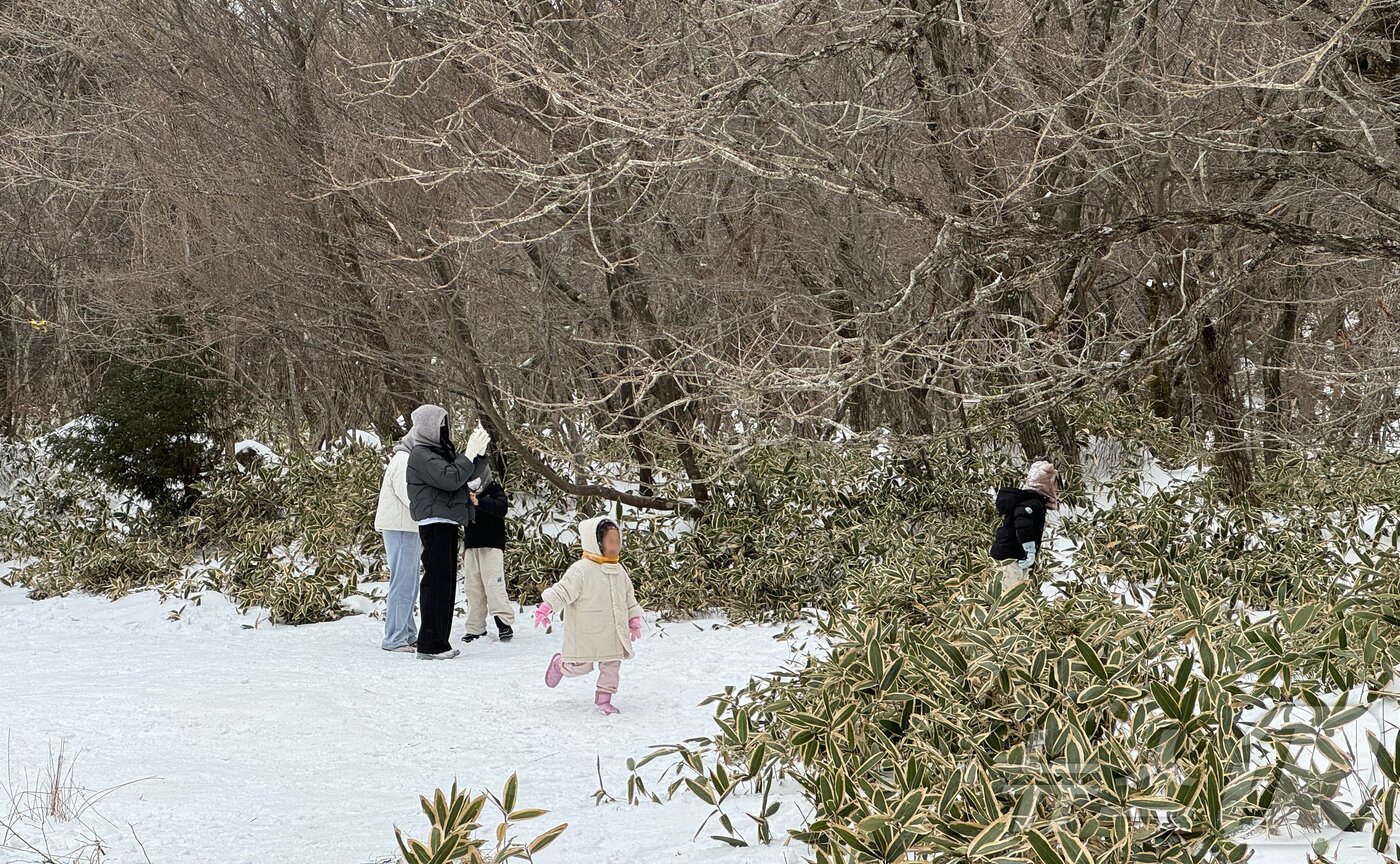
pixel 1200 677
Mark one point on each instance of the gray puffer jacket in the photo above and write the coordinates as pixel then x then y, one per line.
pixel 437 487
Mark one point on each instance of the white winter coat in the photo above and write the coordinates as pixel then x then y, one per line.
pixel 393 514
pixel 597 601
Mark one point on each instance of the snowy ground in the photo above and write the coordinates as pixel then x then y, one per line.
pixel 198 740
pixel 219 744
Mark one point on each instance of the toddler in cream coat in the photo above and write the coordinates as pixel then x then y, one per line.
pixel 601 615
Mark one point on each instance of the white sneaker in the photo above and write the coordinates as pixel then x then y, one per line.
pixel 404 649
pixel 446 655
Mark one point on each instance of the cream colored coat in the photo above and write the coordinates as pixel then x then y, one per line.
pixel 392 514
pixel 597 601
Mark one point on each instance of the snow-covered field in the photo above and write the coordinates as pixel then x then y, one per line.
pixel 193 734
pixel 204 741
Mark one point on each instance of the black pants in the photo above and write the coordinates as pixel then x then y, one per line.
pixel 437 595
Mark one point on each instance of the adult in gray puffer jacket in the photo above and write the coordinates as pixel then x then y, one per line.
pixel 438 476
pixel 440 498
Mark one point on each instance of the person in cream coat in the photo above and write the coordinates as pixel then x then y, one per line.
pixel 402 548
pixel 601 615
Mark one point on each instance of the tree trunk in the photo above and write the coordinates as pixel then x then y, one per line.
pixel 1221 413
pixel 1281 336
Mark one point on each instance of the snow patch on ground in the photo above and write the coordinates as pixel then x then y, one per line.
pixel 218 743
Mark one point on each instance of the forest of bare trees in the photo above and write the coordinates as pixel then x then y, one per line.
pixel 653 223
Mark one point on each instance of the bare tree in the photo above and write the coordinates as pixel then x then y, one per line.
pixel 669 232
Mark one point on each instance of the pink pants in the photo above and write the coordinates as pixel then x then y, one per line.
pixel 609 672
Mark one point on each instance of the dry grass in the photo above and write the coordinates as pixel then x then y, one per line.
pixel 48 815
pixel 51 796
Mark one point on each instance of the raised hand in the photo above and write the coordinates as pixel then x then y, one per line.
pixel 477 442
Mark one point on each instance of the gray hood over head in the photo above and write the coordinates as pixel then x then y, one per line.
pixel 427 423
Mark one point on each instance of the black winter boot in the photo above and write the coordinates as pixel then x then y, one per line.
pixel 503 630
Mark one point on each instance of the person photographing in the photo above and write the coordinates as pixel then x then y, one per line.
pixel 440 502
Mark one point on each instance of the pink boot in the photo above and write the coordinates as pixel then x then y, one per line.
pixel 554 672
pixel 604 703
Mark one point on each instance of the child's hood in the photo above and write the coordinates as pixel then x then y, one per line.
pixel 588 533
pixel 1010 498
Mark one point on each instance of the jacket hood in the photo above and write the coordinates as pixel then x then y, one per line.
pixel 1044 478
pixel 427 421
pixel 588 533
pixel 1008 498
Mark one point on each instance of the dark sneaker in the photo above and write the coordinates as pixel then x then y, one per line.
pixel 503 631
pixel 469 638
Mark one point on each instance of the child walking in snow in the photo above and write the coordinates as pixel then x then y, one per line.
pixel 601 615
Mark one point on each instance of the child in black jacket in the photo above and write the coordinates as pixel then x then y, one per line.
pixel 483 565
pixel 1017 543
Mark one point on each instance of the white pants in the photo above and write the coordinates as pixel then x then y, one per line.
pixel 484 578
pixel 1011 574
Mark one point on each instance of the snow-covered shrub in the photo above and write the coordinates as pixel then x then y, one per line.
pixel 945 721
pixel 295 538
pixel 70 532
pixel 1326 530
pixel 45 497
pixel 799 528
pixel 1086 728
pixel 103 563
pixel 326 501
pixel 293 589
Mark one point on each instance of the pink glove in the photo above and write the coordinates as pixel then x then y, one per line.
pixel 542 613
pixel 635 625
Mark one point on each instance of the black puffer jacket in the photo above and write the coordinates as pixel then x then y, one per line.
pixel 437 483
pixel 1022 521
pixel 488 529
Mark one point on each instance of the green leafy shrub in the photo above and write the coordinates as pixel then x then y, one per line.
pixel 295 538
pixel 149 427
pixel 101 563
pixel 796 529
pixel 1084 730
pixel 802 525
pixel 455 819
pixel 1190 686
